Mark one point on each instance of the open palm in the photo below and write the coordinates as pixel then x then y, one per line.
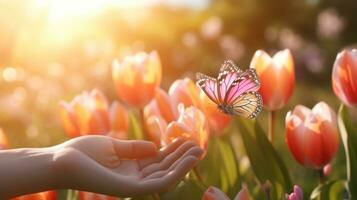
pixel 123 167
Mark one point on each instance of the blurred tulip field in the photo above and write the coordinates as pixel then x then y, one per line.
pixel 127 69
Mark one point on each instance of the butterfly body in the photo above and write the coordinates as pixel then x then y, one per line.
pixel 235 92
pixel 228 109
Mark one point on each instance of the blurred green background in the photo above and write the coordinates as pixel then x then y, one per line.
pixel 52 50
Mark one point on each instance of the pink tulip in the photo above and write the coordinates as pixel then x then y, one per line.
pixel 213 193
pixel 312 135
pixel 344 73
pixel 297 194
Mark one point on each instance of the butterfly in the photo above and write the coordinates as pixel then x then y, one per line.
pixel 234 91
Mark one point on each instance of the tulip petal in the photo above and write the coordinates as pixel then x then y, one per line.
pixel 68 120
pixel 213 193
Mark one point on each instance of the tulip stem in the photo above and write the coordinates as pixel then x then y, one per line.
pixel 198 175
pixel 321 176
pixel 271 123
pixel 155 196
pixel 142 122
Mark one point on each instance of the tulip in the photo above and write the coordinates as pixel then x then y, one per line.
pixel 191 125
pixel 344 73
pixel 3 140
pixel 186 91
pixel 158 113
pixel 277 77
pixel 312 135
pixel 217 120
pixel 327 170
pixel 48 195
pixel 137 77
pixel 213 193
pixel 243 194
pixel 94 196
pixel 89 113
pixel 297 194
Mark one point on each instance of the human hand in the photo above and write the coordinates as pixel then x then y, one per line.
pixel 122 167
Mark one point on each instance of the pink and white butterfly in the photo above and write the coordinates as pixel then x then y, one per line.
pixel 234 91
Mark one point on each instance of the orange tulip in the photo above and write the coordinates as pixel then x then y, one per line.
pixel 89 113
pixel 48 195
pixel 185 91
pixel 165 121
pixel 158 113
pixel 217 120
pixel 344 82
pixel 191 125
pixel 3 140
pixel 137 77
pixel 95 196
pixel 312 135
pixel 277 77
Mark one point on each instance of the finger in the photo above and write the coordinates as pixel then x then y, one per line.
pixel 134 149
pixel 171 158
pixel 163 183
pixel 195 151
pixel 162 153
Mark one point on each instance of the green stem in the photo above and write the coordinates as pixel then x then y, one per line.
pixel 271 123
pixel 321 176
pixel 198 175
pixel 155 196
pixel 142 123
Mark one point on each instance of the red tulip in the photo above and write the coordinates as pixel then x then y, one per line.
pixel 344 73
pixel 89 113
pixel 277 77
pixel 312 135
pixel 137 77
pixel 48 195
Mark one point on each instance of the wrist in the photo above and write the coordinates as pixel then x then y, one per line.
pixel 27 170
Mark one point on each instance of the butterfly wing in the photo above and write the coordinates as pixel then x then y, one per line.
pixel 248 105
pixel 228 73
pixel 245 82
pixel 242 95
pixel 209 87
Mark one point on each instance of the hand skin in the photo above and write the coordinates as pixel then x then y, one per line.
pixel 97 164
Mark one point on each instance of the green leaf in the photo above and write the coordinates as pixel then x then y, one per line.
pixel 265 161
pixel 349 138
pixel 332 190
pixel 188 189
pixel 220 167
pixel 135 127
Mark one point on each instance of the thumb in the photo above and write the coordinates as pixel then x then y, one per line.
pixel 134 149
